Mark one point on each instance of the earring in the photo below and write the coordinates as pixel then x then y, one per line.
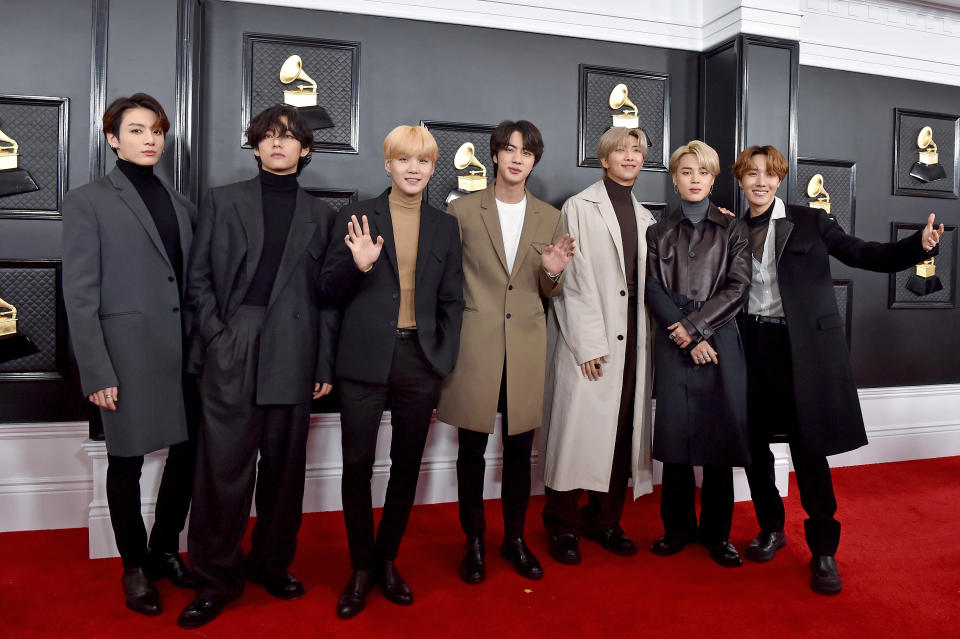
pixel 711 191
pixel 675 189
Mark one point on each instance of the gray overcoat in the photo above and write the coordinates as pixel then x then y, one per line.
pixel 123 309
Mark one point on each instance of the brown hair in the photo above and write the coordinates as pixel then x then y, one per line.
pixel 113 116
pixel 532 140
pixel 704 153
pixel 272 119
pixel 410 140
pixel 616 137
pixel 775 161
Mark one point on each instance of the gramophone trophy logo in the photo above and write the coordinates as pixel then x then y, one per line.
pixel 12 344
pixel 475 179
pixel 304 96
pixel 924 280
pixel 629 117
pixel 821 199
pixel 13 179
pixel 927 168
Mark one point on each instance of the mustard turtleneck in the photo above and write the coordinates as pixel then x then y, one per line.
pixel 405 214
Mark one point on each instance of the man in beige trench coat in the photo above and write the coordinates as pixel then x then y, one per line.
pixel 597 410
pixel 514 252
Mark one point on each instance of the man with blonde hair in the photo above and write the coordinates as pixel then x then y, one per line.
pixel 393 345
pixel 597 430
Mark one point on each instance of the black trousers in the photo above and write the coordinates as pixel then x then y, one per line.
pixel 234 430
pixel 772 413
pixel 678 503
pixel 173 494
pixel 561 511
pixel 412 389
pixel 515 487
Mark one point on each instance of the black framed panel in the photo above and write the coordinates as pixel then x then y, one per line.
pixel 335 198
pixel 657 209
pixel 33 287
pixel 333 64
pixel 917 287
pixel 839 183
pixel 449 137
pixel 39 126
pixel 649 91
pixel 843 291
pixel 910 176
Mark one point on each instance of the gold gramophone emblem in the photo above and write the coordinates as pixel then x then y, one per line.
pixel 927 168
pixel 475 180
pixel 924 280
pixel 629 117
pixel 305 95
pixel 821 197
pixel 8 318
pixel 9 152
pixel 13 179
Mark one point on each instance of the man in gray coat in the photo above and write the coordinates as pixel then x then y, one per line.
pixel 124 241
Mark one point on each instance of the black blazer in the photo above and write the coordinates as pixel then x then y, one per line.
pixel 828 408
pixel 371 301
pixel 297 338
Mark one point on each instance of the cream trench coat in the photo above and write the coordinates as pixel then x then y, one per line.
pixel 580 417
pixel 504 315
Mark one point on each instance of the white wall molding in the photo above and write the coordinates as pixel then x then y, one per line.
pixel 905 39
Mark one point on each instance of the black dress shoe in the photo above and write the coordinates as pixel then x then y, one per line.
pixel 725 554
pixel 565 548
pixel 614 540
pixel 669 545
pixel 286 587
pixel 354 596
pixel 170 565
pixel 200 612
pixel 395 589
pixel 765 545
pixel 525 564
pixel 825 579
pixel 141 594
pixel 473 569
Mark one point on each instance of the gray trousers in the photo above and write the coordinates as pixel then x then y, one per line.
pixel 234 430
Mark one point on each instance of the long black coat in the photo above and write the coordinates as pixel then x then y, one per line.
pixel 370 301
pixel 828 408
pixel 298 334
pixel 699 276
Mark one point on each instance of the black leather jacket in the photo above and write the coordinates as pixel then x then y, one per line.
pixel 698 276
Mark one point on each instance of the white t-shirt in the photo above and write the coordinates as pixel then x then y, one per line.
pixel 511 223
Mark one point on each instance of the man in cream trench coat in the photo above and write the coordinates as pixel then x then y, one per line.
pixel 589 321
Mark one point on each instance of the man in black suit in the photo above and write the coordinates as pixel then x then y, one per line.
pixel 392 345
pixel 799 379
pixel 262 346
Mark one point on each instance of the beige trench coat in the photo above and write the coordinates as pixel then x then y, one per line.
pixel 580 416
pixel 503 316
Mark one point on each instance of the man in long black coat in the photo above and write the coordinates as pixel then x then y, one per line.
pixel 799 378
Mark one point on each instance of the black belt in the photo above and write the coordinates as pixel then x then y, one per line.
pixel 766 319
pixel 406 333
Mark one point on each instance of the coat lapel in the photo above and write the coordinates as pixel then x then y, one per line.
pixel 301 232
pixel 491 220
pixel 250 210
pixel 598 193
pixel 184 222
pixel 384 228
pixel 428 230
pixel 781 233
pixel 531 221
pixel 128 193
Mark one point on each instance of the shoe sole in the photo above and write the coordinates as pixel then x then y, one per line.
pixel 146 613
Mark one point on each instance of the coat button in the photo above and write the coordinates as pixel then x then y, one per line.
pixel 693 291
pixel 176 309
pixel 508 315
pixel 620 337
pixel 296 316
pixel 623 293
pixel 396 295
pixel 393 322
pixel 693 253
pixel 510 287
pixel 169 278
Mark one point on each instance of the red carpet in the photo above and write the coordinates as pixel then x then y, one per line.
pixel 899 558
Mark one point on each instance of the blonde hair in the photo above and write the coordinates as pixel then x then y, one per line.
pixel 704 153
pixel 616 137
pixel 410 140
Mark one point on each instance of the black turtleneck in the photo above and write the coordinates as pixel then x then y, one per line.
pixel 627 217
pixel 158 202
pixel 279 193
pixel 758 231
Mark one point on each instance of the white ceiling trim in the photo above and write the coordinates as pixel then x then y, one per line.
pixel 901 38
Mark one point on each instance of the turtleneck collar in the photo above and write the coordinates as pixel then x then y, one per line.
pixel 617 188
pixel 763 218
pixel 136 173
pixel 695 211
pixel 275 182
pixel 400 201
